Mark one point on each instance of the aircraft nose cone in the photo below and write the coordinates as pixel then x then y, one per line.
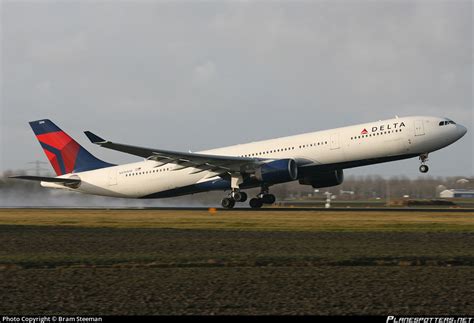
pixel 461 130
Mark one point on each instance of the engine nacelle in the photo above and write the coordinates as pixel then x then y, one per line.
pixel 278 171
pixel 324 179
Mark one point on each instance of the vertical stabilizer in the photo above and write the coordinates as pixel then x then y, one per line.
pixel 64 153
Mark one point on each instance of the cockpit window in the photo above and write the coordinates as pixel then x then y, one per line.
pixel 448 121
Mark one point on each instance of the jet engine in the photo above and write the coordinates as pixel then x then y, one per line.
pixel 324 179
pixel 277 171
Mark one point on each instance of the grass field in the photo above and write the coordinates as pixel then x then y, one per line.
pixel 237 262
pixel 244 220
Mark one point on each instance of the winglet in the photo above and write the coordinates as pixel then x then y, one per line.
pixel 94 138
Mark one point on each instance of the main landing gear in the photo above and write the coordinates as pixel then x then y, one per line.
pixel 262 198
pixel 235 196
pixel 255 203
pixel 424 168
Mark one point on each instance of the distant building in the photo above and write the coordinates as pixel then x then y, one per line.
pixel 457 193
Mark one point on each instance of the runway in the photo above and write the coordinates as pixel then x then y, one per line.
pixel 266 219
pixel 263 210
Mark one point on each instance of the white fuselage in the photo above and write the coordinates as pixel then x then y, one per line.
pixel 338 148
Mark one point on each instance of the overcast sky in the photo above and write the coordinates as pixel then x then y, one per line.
pixel 198 75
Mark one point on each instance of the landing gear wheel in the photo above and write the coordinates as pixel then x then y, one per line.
pixel 268 199
pixel 228 203
pixel 424 168
pixel 424 158
pixel 255 203
pixel 237 196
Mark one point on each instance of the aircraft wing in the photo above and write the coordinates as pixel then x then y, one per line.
pixel 203 162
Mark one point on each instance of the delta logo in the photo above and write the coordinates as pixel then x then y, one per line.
pixel 393 126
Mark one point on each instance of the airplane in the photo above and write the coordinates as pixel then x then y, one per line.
pixel 317 159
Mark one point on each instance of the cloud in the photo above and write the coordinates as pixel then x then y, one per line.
pixel 205 73
pixel 262 69
pixel 67 50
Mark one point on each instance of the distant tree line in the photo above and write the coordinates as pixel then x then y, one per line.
pixel 375 186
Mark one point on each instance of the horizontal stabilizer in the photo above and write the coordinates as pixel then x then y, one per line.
pixel 48 179
pixel 93 137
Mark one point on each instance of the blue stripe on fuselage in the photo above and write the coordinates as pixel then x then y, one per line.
pixel 215 185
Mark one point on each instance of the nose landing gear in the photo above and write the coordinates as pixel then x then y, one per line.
pixel 424 168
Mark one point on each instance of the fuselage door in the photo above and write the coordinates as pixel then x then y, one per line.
pixel 112 178
pixel 334 141
pixel 419 128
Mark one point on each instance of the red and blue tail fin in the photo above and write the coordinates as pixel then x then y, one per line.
pixel 64 153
